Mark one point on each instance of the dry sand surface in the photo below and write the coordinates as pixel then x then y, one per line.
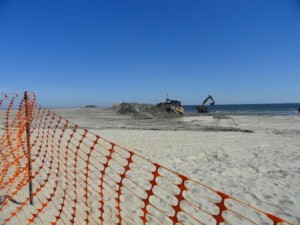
pixel 253 158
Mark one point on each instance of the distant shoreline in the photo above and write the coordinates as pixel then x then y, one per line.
pixel 250 109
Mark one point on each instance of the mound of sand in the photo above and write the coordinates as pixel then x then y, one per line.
pixel 145 110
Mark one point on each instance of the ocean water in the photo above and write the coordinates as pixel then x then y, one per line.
pixel 249 109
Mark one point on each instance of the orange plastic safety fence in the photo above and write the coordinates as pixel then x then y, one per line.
pixel 81 178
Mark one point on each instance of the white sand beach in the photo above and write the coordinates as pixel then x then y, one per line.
pixel 150 112
pixel 253 158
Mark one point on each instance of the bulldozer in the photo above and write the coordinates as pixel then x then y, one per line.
pixel 172 106
pixel 203 108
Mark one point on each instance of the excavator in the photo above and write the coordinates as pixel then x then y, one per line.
pixel 202 108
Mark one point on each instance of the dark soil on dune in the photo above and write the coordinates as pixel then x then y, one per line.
pixel 145 110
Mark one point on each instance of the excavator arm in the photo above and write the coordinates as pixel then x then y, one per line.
pixel 208 98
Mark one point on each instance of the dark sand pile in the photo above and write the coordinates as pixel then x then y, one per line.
pixel 145 110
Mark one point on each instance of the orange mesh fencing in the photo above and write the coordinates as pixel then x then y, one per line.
pixel 54 172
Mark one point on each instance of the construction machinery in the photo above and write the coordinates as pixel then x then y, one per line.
pixel 203 108
pixel 172 106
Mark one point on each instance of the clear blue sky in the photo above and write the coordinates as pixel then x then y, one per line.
pixel 78 52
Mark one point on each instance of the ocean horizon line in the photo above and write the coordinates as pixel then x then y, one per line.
pixel 226 104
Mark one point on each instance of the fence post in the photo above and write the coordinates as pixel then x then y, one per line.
pixel 28 120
